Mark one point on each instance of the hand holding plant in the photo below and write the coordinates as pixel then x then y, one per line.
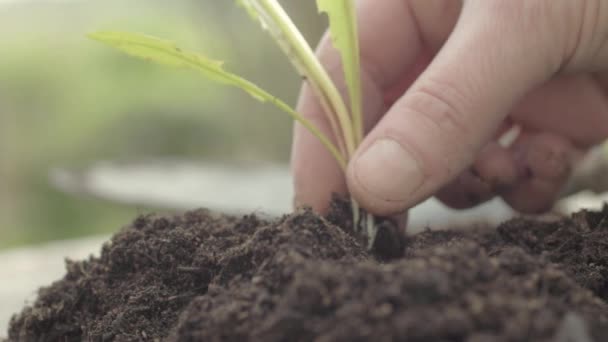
pixel 442 81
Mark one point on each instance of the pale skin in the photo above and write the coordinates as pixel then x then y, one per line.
pixel 442 80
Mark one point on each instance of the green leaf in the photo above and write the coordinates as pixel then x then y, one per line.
pixel 343 30
pixel 167 53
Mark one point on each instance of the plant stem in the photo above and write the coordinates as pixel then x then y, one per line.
pixel 310 65
pixel 346 126
pixel 372 230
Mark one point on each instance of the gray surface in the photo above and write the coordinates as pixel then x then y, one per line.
pixel 24 270
pixel 183 185
pixel 263 188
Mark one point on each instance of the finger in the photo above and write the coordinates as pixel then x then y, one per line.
pixel 545 161
pixel 387 51
pixel 534 196
pixel 434 131
pixel 578 111
pixel 436 20
pixel 578 107
pixel 466 191
pixel 494 170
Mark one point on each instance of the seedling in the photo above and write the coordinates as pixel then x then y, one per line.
pixel 346 124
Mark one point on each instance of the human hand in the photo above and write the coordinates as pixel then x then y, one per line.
pixel 442 80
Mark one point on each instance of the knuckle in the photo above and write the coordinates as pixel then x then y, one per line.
pixel 440 112
pixel 443 105
pixel 576 31
pixel 592 38
pixel 545 29
pixel 549 158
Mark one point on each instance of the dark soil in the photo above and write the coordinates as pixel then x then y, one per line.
pixel 203 277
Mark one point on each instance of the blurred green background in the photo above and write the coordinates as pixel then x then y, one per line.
pixel 66 101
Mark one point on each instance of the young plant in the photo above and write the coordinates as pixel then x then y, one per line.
pixel 346 124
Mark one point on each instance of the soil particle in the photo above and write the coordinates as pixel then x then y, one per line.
pixel 579 244
pixel 206 277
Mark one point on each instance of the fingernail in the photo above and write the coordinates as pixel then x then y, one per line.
pixel 388 172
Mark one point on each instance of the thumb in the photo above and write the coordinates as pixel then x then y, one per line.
pixel 434 131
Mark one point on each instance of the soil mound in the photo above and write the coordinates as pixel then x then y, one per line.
pixel 206 277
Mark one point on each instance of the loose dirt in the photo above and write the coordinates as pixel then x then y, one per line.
pixel 206 277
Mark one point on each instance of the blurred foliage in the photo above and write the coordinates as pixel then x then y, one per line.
pixel 68 101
